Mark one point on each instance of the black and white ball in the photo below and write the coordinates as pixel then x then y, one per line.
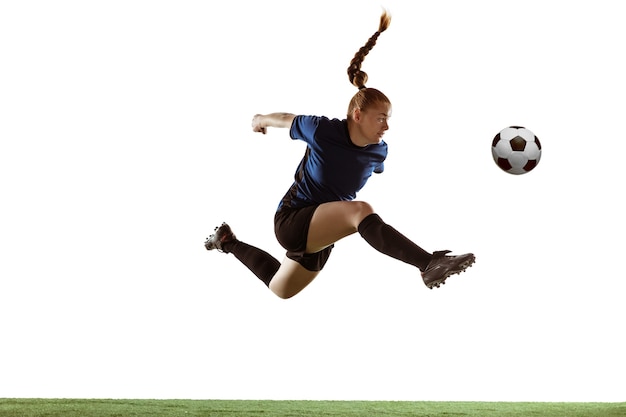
pixel 516 150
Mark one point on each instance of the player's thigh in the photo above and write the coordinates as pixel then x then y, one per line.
pixel 334 221
pixel 291 278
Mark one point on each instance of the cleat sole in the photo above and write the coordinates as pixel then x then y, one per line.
pixel 462 268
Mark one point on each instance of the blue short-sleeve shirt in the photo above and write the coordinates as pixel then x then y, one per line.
pixel 333 168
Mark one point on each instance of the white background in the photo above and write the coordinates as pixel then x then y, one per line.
pixel 125 139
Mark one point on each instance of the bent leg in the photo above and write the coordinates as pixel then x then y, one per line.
pixel 261 263
pixel 291 278
pixel 285 279
pixel 329 223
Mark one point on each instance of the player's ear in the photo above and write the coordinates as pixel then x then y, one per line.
pixel 356 114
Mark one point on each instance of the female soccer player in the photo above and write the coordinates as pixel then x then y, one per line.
pixel 319 208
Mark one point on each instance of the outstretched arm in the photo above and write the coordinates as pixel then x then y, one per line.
pixel 261 122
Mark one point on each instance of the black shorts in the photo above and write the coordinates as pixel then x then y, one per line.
pixel 291 226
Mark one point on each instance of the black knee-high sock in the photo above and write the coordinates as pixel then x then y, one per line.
pixel 389 241
pixel 261 263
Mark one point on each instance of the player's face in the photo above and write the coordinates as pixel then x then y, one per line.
pixel 373 123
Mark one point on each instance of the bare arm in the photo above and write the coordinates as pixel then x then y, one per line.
pixel 261 122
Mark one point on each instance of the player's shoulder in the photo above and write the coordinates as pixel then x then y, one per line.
pixel 317 120
pixel 322 125
pixel 332 125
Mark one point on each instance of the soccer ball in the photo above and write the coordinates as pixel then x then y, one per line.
pixel 516 150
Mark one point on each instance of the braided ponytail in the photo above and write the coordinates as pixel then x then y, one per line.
pixel 366 97
pixel 357 77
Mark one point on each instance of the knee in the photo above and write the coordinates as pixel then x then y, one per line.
pixel 284 292
pixel 361 211
pixel 283 295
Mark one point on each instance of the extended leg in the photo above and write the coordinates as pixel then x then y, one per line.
pixel 389 241
pixel 333 221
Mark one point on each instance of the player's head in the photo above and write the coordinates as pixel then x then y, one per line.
pixel 366 97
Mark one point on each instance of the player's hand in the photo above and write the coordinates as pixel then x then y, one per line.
pixel 257 124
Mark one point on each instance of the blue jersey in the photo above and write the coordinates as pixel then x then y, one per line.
pixel 333 168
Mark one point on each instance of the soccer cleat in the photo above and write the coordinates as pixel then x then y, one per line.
pixel 442 266
pixel 223 234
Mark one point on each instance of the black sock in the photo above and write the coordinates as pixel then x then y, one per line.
pixel 261 263
pixel 389 241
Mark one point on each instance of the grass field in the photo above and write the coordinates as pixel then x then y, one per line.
pixel 219 408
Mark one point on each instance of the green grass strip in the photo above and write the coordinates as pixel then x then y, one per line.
pixel 229 408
